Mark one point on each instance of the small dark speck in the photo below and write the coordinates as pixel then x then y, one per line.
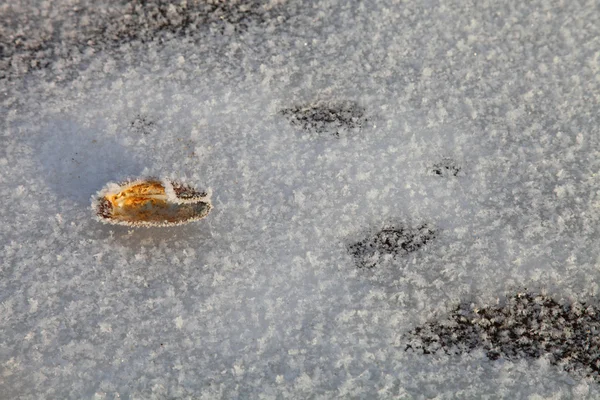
pixel 446 168
pixel 142 125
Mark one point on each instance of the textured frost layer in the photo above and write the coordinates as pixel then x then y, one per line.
pixel 479 119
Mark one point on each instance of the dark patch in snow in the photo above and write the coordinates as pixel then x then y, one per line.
pixel 327 117
pixel 445 168
pixel 527 326
pixel 186 192
pixel 85 31
pixel 104 208
pixel 394 241
pixel 144 19
pixel 142 125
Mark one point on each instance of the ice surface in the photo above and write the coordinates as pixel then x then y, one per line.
pixel 477 120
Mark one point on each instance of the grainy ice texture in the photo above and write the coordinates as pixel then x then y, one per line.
pixel 375 166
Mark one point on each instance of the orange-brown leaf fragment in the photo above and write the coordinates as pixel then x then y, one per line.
pixel 150 202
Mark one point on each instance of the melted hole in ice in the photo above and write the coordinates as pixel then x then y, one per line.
pixel 395 241
pixel 334 118
pixel 526 326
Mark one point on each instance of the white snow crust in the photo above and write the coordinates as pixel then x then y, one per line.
pixel 262 299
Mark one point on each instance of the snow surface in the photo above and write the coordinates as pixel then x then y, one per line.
pixel 316 125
